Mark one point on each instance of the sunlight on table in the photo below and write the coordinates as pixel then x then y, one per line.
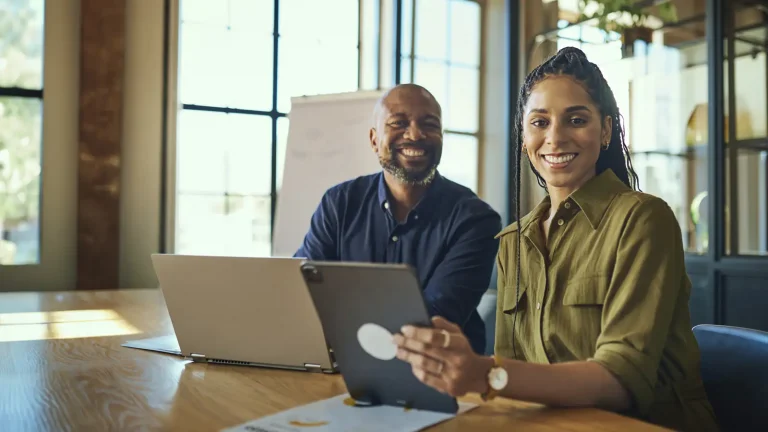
pixel 29 326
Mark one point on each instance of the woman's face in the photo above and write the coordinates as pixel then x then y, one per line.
pixel 563 132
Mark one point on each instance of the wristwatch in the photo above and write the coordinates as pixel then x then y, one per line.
pixel 497 379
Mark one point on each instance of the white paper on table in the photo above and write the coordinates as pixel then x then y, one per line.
pixel 333 415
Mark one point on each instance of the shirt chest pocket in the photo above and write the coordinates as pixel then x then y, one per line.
pixel 586 291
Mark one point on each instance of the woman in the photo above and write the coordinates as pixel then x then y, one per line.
pixel 593 293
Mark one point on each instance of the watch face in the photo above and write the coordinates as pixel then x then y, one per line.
pixel 497 378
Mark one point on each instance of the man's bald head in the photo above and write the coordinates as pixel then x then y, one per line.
pixel 408 93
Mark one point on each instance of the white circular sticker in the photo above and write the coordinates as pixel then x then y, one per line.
pixel 376 341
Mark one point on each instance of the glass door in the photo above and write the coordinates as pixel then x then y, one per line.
pixel 746 137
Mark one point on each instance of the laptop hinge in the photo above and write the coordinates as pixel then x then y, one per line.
pixel 198 358
pixel 313 367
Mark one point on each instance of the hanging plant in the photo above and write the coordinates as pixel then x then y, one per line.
pixel 612 15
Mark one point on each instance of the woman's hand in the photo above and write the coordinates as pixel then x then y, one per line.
pixel 442 357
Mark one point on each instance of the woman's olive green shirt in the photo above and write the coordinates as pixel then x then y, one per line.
pixel 609 285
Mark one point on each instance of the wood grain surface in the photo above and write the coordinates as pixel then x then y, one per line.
pixel 63 369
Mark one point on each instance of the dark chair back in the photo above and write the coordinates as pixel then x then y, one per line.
pixel 734 366
pixel 487 311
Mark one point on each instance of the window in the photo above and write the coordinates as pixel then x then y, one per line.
pixel 745 109
pixel 21 107
pixel 440 50
pixel 240 62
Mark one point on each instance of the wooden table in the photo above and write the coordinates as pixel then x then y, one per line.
pixel 62 368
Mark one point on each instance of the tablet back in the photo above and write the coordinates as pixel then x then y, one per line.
pixel 360 307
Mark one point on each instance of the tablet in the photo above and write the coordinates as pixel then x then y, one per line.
pixel 360 307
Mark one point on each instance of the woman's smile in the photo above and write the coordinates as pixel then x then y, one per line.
pixel 559 160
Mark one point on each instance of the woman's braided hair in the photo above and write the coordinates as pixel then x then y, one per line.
pixel 573 62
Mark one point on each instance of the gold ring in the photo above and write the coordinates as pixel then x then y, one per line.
pixel 447 340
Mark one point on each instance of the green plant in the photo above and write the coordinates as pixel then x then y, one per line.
pixel 603 9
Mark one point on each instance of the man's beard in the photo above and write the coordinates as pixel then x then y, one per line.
pixel 421 177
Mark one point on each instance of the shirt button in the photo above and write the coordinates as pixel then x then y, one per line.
pixel 567 205
pixel 416 217
pixel 560 222
pixel 394 238
pixel 538 306
pixel 386 205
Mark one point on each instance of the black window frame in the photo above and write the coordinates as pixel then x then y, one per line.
pixel 273 114
pixel 411 57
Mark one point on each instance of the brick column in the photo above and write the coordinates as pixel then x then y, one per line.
pixel 102 55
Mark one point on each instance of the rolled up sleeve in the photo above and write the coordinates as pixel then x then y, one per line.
pixel 641 299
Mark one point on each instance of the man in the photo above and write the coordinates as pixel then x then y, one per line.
pixel 408 213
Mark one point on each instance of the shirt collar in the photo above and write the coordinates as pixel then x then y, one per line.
pixel 593 198
pixel 383 195
pixel 425 204
pixel 597 194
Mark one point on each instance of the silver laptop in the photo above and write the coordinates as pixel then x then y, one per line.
pixel 243 311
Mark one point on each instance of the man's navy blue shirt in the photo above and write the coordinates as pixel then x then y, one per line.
pixel 448 238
